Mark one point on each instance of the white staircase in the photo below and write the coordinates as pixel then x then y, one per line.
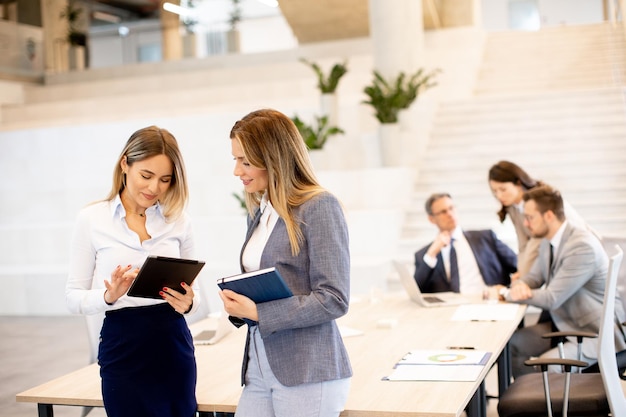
pixel 551 101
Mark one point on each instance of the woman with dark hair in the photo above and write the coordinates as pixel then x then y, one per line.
pixel 295 362
pixel 146 352
pixel 508 183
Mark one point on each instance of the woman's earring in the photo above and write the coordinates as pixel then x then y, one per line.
pixel 124 179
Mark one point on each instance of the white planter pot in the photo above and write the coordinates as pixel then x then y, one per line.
pixel 76 57
pixel 329 108
pixel 189 45
pixel 391 146
pixel 319 159
pixel 233 41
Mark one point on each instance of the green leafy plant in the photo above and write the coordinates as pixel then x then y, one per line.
pixel 235 14
pixel 389 97
pixel 315 136
pixel 241 200
pixel 327 84
pixel 71 13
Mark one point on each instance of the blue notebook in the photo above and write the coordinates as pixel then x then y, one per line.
pixel 260 286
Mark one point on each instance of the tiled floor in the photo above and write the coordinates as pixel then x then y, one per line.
pixel 34 350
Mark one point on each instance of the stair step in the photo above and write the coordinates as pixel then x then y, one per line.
pixel 553 101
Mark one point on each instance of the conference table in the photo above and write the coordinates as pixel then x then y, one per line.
pixel 378 331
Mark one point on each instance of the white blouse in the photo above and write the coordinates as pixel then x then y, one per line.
pixel 102 240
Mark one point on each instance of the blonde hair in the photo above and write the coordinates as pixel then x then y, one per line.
pixel 146 143
pixel 270 140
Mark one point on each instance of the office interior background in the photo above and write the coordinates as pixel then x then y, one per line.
pixel 538 82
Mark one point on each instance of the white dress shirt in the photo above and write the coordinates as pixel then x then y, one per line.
pixel 102 240
pixel 471 280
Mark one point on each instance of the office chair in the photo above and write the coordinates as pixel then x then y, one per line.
pixel 573 394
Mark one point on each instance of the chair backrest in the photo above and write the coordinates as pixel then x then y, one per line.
pixel 606 354
pixel 609 242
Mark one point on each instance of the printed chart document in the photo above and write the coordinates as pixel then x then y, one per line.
pixel 440 365
pixel 445 357
pixel 260 286
pixel 458 373
pixel 486 312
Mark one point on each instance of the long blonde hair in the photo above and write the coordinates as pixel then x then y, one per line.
pixel 146 143
pixel 271 141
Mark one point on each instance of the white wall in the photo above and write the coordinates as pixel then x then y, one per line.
pixel 551 12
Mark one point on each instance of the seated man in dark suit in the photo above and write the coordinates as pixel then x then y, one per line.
pixel 458 260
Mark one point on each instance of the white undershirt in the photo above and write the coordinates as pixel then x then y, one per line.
pixel 251 258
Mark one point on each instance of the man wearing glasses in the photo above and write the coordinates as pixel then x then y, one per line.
pixel 567 280
pixel 459 260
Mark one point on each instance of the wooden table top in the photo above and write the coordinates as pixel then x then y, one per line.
pixel 392 325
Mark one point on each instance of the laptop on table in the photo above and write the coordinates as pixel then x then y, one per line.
pixel 438 299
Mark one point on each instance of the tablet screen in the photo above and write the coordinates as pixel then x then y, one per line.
pixel 160 271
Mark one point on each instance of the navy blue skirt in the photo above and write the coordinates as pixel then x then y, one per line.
pixel 147 363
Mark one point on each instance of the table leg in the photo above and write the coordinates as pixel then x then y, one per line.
pixel 504 370
pixel 45 410
pixel 477 406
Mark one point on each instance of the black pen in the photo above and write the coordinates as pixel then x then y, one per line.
pixel 461 347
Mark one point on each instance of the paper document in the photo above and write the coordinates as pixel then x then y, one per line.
pixel 349 331
pixel 435 373
pixel 485 312
pixel 440 365
pixel 443 357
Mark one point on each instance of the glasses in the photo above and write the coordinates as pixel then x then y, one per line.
pixel 444 211
pixel 531 217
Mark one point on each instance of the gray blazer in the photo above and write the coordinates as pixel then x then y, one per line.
pixel 574 294
pixel 301 338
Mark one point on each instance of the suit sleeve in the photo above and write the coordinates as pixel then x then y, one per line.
pixel 423 272
pixel 508 258
pixel 327 247
pixel 576 267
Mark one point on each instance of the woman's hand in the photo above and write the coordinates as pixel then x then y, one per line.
pixel 238 305
pixel 180 302
pixel 121 278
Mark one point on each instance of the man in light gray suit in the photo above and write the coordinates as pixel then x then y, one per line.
pixel 567 280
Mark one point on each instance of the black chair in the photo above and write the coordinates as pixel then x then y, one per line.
pixel 573 394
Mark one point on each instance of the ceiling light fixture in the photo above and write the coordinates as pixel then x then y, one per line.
pixel 271 3
pixel 106 17
pixel 179 10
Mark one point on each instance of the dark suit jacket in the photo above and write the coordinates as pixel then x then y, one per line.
pixel 496 261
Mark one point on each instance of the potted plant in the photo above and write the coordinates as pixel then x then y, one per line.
pixel 327 85
pixel 388 98
pixel 76 38
pixel 233 20
pixel 315 137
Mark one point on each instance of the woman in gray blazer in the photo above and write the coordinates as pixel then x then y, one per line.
pixel 295 363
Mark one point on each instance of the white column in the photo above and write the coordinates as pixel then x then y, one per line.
pixel 397 33
pixel 172 42
pixel 54 35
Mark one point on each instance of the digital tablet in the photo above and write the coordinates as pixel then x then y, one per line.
pixel 160 271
